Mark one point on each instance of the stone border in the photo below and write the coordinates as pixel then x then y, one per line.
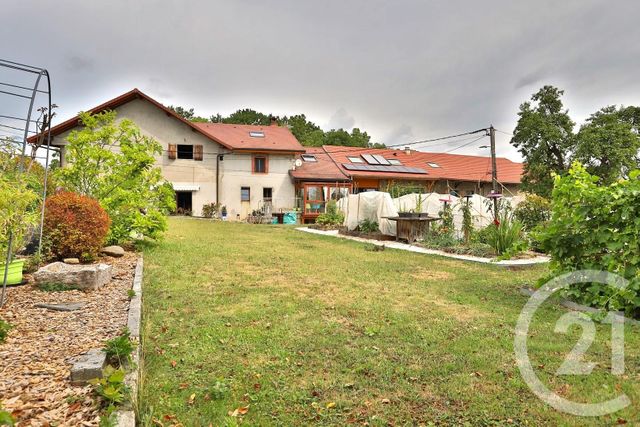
pixel 578 307
pixel 512 263
pixel 126 416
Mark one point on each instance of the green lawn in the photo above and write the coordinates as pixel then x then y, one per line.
pixel 299 329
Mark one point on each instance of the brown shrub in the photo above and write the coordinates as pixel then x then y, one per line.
pixel 75 226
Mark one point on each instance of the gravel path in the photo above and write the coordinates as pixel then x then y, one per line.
pixel 36 358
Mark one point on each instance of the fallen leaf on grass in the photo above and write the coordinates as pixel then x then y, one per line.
pixel 192 399
pixel 173 363
pixel 168 417
pixel 385 401
pixel 183 386
pixel 242 410
pixel 331 405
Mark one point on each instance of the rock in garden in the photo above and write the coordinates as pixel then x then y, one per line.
pixel 88 366
pixel 113 251
pixel 84 277
pixel 68 306
pixel 71 261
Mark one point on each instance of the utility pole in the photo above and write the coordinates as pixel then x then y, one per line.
pixel 494 171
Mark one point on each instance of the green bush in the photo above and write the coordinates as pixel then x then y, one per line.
pixel 533 211
pixel 5 418
pixel 19 209
pixel 506 238
pixel 368 226
pixel 119 349
pixel 332 215
pixel 110 387
pixel 4 331
pixel 596 227
pixel 439 238
pixel 210 210
pixel 126 182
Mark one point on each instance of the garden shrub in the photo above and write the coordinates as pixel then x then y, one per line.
pixel 4 331
pixel 368 226
pixel 596 227
pixel 75 226
pixel 506 236
pixel 210 210
pixel 332 215
pixel 532 211
pixel 19 208
pixel 126 182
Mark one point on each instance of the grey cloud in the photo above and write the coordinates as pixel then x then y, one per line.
pixel 341 119
pixel 438 68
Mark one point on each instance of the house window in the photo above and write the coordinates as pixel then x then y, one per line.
pixel 245 194
pixel 267 194
pixel 314 199
pixel 260 164
pixel 185 151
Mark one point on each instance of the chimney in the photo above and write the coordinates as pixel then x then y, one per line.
pixel 274 121
pixel 407 150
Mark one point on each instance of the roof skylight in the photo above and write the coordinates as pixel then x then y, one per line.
pixel 433 165
pixel 256 134
pixel 355 159
pixel 394 162
pixel 309 158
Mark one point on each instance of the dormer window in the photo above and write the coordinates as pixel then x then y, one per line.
pixel 309 158
pixel 256 134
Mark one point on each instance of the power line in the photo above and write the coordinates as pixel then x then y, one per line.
pixel 501 131
pixel 438 139
pixel 465 145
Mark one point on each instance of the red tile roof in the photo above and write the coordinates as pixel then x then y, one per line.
pixel 323 169
pixel 115 103
pixel 454 167
pixel 233 137
pixel 237 137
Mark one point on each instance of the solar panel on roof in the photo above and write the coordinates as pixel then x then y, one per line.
pixel 381 159
pixel 370 159
pixel 383 168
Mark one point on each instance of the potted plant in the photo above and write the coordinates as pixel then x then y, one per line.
pixel 419 206
pixel 403 212
pixel 223 213
pixel 18 216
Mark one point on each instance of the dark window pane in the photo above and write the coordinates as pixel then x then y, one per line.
pixel 185 151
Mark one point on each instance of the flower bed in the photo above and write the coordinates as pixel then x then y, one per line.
pixel 37 355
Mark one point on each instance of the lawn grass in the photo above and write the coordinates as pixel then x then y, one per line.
pixel 299 329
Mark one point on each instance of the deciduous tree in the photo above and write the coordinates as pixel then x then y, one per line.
pixel 544 137
pixel 124 181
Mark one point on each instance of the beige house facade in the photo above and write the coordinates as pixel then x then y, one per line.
pixel 243 168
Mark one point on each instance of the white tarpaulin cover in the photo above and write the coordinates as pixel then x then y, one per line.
pixel 372 205
pixel 375 204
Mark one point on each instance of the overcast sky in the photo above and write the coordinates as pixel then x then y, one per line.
pixel 401 70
